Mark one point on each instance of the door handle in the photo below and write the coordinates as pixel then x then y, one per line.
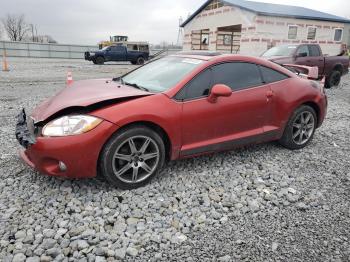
pixel 269 94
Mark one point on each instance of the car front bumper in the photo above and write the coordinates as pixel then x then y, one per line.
pixel 70 156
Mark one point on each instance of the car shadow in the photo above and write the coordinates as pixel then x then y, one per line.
pixel 193 166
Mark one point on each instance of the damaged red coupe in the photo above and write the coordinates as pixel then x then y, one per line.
pixel 180 106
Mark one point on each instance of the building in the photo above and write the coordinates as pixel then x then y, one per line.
pixel 246 27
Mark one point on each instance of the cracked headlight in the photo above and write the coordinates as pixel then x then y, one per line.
pixel 71 125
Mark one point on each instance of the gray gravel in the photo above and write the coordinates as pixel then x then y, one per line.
pixel 262 203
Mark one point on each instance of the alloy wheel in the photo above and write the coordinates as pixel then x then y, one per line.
pixel 303 127
pixel 136 159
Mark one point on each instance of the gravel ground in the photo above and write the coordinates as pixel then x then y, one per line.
pixel 262 203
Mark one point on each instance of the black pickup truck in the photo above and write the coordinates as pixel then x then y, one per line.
pixel 117 53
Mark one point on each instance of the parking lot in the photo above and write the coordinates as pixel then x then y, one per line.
pixel 261 203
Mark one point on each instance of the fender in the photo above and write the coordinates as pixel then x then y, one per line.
pixel 121 115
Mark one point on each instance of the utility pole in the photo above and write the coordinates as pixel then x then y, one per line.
pixel 180 33
pixel 32 31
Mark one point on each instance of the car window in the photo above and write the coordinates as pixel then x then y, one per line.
pixel 303 49
pixel 270 76
pixel 117 48
pixel 314 50
pixel 199 86
pixel 237 75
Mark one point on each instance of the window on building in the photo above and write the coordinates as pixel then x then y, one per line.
pixel 214 5
pixel 338 34
pixel 311 33
pixel 200 39
pixel 228 40
pixel 292 32
pixel 204 40
pixel 270 76
pixel 235 75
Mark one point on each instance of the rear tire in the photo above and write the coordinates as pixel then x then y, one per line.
pixel 100 60
pixel 132 157
pixel 333 79
pixel 300 128
pixel 133 62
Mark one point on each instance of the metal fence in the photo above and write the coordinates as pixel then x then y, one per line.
pixel 40 50
pixel 23 49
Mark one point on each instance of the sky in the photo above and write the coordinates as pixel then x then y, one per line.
pixel 90 21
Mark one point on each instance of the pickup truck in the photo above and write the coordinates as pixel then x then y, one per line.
pixel 117 53
pixel 332 67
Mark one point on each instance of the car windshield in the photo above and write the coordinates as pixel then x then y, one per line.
pixel 283 50
pixel 162 74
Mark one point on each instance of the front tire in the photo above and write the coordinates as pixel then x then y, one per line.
pixel 300 128
pixel 132 157
pixel 100 60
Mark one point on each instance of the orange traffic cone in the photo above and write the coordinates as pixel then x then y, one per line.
pixel 69 78
pixel 4 62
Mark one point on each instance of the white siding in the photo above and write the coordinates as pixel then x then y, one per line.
pixel 261 32
pixel 275 30
pixel 212 19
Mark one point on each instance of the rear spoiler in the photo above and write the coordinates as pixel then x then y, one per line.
pixel 307 72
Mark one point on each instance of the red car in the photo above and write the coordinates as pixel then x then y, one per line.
pixel 180 106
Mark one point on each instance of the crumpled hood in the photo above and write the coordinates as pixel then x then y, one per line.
pixel 85 93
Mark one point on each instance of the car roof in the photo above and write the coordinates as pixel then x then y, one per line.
pixel 210 58
pixel 219 57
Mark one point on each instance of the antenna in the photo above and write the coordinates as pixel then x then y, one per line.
pixel 180 33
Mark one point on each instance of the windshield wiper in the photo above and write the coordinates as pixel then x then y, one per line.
pixel 134 85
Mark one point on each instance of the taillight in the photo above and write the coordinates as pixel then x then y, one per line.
pixel 318 85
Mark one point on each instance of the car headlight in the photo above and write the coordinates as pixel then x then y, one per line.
pixel 71 125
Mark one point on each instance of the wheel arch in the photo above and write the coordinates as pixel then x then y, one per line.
pixel 315 107
pixel 153 126
pixel 338 67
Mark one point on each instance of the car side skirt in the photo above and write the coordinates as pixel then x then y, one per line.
pixel 229 145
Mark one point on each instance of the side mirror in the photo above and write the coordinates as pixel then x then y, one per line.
pixel 219 90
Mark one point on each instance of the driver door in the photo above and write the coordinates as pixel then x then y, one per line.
pixel 117 53
pixel 230 121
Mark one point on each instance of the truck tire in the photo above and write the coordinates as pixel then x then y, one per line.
pixel 100 60
pixel 333 79
pixel 140 60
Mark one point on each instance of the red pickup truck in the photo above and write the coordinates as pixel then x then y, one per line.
pixel 332 67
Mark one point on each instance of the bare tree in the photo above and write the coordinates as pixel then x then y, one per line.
pixel 15 27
